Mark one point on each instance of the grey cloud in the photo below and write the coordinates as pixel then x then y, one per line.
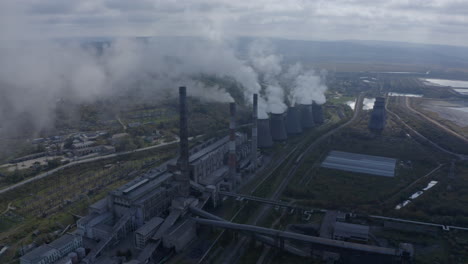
pixel 400 18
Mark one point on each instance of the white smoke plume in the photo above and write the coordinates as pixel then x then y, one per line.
pixel 308 86
pixel 34 76
pixel 268 65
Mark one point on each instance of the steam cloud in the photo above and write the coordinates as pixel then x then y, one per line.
pixel 34 76
pixel 268 64
pixel 307 86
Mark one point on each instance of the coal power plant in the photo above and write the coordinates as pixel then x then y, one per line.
pixel 278 127
pixel 293 121
pixel 264 135
pixel 317 113
pixel 307 117
pixel 378 117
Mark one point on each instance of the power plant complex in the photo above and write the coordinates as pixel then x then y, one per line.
pixel 156 210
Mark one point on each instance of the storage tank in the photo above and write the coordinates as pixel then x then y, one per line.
pixel 278 127
pixel 307 118
pixel 263 133
pixel 293 121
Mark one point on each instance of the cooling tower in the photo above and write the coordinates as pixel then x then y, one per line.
pixel 307 118
pixel 293 121
pixel 378 116
pixel 318 113
pixel 278 127
pixel 264 136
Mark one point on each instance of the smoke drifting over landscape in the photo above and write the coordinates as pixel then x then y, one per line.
pixel 35 75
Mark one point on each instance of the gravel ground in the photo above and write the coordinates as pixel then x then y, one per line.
pixel 455 111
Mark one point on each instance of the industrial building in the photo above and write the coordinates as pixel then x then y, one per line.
pixel 351 232
pixel 154 209
pixel 151 206
pixel 145 232
pixel 55 251
pixel 378 117
pixel 353 162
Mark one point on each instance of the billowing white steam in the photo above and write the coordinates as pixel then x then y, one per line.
pixel 307 85
pixel 34 76
pixel 301 86
pixel 268 65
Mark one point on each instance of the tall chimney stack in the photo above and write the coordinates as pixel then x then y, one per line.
pixel 183 162
pixel 232 147
pixel 254 133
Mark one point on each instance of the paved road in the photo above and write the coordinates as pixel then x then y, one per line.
pixel 73 163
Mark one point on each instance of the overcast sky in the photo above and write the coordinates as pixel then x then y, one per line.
pixel 424 21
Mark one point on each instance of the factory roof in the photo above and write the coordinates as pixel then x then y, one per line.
pixel 94 218
pixel 134 189
pixel 351 231
pixel 215 177
pixel 119 135
pixel 208 149
pixel 38 253
pixel 104 228
pixel 99 205
pixel 150 226
pixel 83 144
pixel 346 161
pixel 62 241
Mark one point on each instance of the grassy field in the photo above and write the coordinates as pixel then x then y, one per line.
pixel 446 203
pixel 329 188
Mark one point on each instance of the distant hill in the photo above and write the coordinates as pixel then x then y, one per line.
pixel 367 52
pixel 346 51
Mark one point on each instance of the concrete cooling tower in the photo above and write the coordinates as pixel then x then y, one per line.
pixel 307 118
pixel 378 116
pixel 278 127
pixel 293 121
pixel 318 113
pixel 264 139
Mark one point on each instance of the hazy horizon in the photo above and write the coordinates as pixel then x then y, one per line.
pixel 425 22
